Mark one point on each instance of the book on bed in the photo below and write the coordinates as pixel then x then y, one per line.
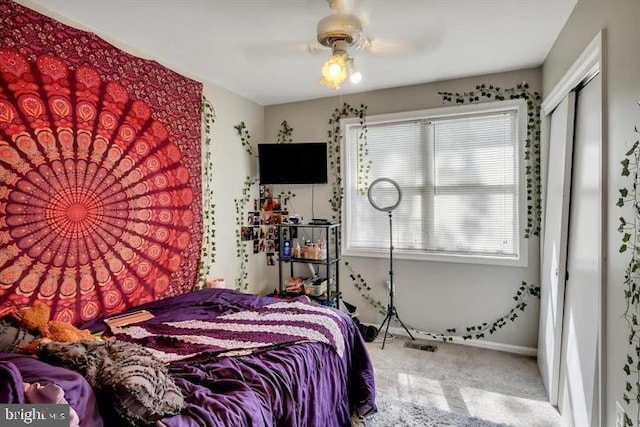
pixel 128 318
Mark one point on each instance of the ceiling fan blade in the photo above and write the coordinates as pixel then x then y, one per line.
pixel 286 48
pixel 382 46
pixel 315 47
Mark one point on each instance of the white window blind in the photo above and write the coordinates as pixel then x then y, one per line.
pixel 459 175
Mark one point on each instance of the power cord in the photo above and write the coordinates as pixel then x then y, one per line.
pixel 313 214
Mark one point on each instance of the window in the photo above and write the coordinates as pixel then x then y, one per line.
pixel 460 171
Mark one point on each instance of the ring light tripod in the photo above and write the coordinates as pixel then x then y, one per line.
pixel 387 200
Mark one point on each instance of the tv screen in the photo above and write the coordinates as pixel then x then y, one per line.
pixel 293 163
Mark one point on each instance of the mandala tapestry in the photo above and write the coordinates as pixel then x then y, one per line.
pixel 100 203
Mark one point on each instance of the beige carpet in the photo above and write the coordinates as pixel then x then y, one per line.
pixel 409 414
pixel 488 385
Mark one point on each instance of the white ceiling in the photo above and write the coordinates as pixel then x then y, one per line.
pixel 257 48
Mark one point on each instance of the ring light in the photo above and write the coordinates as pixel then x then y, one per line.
pixel 383 200
pixel 385 195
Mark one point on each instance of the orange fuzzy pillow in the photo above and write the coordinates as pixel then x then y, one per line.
pixel 36 319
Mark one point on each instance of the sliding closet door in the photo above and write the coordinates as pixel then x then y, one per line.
pixel 578 398
pixel 555 245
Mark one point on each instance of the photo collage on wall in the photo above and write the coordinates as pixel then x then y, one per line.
pixel 262 224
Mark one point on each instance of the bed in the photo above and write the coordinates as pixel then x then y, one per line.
pixel 302 364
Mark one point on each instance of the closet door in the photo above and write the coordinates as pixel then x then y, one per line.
pixel 554 244
pixel 579 366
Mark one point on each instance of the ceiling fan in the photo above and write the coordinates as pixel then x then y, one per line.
pixel 339 32
pixel 342 32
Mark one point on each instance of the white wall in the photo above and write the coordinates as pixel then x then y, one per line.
pixel 231 164
pixel 621 90
pixel 431 296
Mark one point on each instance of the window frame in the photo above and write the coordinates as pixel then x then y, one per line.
pixel 350 180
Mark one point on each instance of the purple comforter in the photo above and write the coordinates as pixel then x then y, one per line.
pixel 15 369
pixel 302 384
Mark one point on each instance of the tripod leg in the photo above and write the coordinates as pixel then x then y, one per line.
pixel 386 320
pixel 403 325
pixel 386 330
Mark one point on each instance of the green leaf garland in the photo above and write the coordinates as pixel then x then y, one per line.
pixel 334 135
pixel 242 284
pixel 208 252
pixel 361 285
pixel 243 133
pixel 629 230
pixel 480 331
pixel 334 139
pixel 285 133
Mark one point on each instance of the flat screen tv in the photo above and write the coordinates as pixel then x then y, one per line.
pixel 293 163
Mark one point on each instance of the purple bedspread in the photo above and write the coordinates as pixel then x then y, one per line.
pixel 305 384
pixel 16 369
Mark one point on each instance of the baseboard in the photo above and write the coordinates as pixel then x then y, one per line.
pixel 509 348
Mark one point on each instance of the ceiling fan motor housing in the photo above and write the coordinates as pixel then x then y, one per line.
pixel 340 27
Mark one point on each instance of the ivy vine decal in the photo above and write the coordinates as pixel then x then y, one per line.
pixel 362 286
pixel 285 197
pixel 333 146
pixel 629 230
pixel 532 143
pixel 208 252
pixel 364 163
pixel 241 250
pixel 525 291
pixel 334 138
pixel 285 133
pixel 242 283
pixel 243 133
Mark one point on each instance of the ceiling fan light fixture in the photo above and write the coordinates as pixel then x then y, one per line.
pixel 354 75
pixel 339 32
pixel 334 70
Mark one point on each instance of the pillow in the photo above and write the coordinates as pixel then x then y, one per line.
pixel 125 376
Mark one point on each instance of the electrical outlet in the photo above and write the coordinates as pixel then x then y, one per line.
pixel 619 415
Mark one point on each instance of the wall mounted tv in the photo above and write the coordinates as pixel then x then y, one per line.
pixel 293 163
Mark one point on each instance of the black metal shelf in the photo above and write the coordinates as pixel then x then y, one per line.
pixel 331 235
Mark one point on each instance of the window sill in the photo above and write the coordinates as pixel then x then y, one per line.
pixel 435 257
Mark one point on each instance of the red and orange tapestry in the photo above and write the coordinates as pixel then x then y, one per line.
pixel 100 200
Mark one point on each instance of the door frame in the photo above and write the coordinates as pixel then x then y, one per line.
pixel 590 63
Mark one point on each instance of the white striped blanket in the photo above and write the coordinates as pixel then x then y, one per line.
pixel 238 333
